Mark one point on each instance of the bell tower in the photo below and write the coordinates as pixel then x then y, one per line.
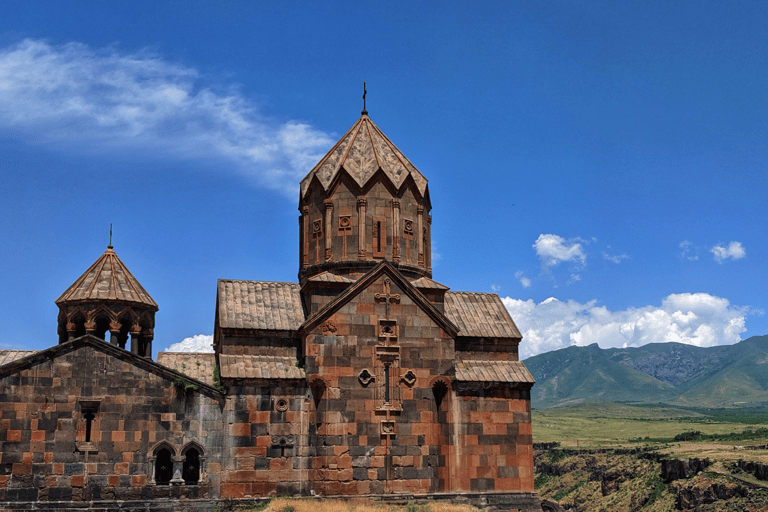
pixel 108 301
pixel 362 203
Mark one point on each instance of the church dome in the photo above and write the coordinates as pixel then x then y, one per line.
pixel 362 203
pixel 361 152
pixel 108 298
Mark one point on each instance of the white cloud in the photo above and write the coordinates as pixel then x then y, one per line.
pixel 553 249
pixel 616 258
pixel 524 281
pixel 76 98
pixel 694 318
pixel 687 251
pixel 734 251
pixel 196 343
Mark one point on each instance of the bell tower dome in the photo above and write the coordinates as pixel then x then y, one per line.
pixel 108 299
pixel 362 203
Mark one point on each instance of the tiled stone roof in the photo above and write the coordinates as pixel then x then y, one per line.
pixel 480 315
pixel 198 365
pixel 260 305
pixel 330 277
pixel 274 306
pixel 9 356
pixel 259 367
pixel 493 371
pixel 107 279
pixel 425 283
pixel 362 151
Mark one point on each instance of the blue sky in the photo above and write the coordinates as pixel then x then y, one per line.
pixel 600 165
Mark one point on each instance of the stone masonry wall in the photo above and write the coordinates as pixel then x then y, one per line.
pixel 266 451
pixel 365 438
pixel 43 450
pixel 492 429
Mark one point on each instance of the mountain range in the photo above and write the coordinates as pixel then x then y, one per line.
pixel 672 373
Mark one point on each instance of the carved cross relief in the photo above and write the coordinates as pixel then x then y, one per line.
pixel 387 361
pixel 387 297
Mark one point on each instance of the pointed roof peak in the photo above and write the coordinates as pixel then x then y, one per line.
pixel 108 279
pixel 361 152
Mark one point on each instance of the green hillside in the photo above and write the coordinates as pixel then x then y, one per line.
pixel 674 373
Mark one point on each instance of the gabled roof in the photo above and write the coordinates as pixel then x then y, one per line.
pixel 493 371
pixel 107 279
pixel 198 365
pixel 425 283
pixel 362 151
pixel 120 354
pixel 273 306
pixel 383 268
pixel 262 305
pixel 259 367
pixel 9 356
pixel 330 277
pixel 480 315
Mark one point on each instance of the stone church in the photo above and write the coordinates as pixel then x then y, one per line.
pixel 365 377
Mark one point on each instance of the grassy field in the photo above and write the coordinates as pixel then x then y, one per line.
pixel 351 505
pixel 604 425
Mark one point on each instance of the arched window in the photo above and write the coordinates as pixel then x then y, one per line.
pixel 439 390
pixel 191 468
pixel 163 466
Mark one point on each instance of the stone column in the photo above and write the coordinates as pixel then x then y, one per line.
pixel 328 219
pixel 395 230
pixel 420 234
pixel 178 466
pixel 71 328
pixel 136 339
pixel 361 204
pixel 114 331
pixel 148 337
pixel 428 249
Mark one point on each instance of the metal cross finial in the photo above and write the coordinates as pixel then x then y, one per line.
pixel 364 112
pixel 110 235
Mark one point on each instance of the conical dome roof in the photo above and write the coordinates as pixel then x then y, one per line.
pixel 362 151
pixel 108 279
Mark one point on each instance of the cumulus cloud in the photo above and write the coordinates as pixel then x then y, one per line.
pixel 734 251
pixel 82 99
pixel 196 343
pixel 554 249
pixel 694 318
pixel 524 281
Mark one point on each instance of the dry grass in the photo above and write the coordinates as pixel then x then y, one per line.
pixel 359 505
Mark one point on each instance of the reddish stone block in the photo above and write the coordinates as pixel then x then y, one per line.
pixel 4 480
pixel 138 480
pixel 232 491
pixel 22 468
pixel 77 481
pixel 241 429
pixel 13 436
pixel 118 435
pixel 262 488
pixel 113 480
pixel 121 468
